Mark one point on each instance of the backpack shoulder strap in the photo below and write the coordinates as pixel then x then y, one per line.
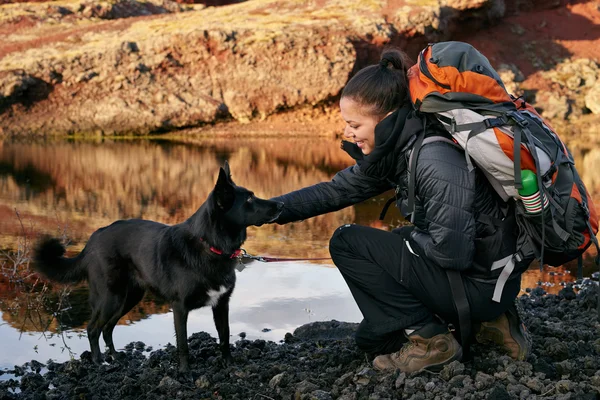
pixel 412 164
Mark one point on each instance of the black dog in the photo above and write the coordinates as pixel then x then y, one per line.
pixel 191 264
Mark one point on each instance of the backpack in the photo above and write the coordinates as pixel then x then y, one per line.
pixel 502 136
pixel 456 85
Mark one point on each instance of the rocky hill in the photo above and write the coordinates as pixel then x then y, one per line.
pixel 150 66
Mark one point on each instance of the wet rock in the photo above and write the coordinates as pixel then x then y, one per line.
pixel 33 382
pixel 567 293
pixel 326 330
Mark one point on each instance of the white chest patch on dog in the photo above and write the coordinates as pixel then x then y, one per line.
pixel 214 295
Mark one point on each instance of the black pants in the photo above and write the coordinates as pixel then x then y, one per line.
pixel 396 289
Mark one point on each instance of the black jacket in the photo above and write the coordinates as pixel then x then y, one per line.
pixel 457 214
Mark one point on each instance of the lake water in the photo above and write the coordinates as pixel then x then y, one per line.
pixel 71 188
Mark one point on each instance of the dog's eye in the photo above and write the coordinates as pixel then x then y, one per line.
pixel 250 199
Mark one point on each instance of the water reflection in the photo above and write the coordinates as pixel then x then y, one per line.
pixel 74 187
pixel 277 297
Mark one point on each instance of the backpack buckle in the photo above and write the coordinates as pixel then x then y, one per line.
pixel 586 210
pixel 518 118
pixel 495 122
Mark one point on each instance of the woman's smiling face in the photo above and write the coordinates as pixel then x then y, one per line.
pixel 360 126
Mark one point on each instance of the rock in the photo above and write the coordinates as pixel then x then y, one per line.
pixel 511 77
pixel 553 105
pixel 364 376
pixel 169 383
pixel 483 381
pixel 400 380
pixel 306 387
pixel 451 370
pixel 276 380
pixel 116 9
pixel 202 382
pixel 228 67
pixel 344 380
pixel 320 395
pixel 16 86
pixel 323 330
pixel 498 393
pixel 592 98
pixel 563 386
pixel 311 369
pixel 574 74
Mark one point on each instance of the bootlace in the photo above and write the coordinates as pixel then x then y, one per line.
pixel 407 347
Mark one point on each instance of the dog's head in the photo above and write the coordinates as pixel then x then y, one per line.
pixel 239 205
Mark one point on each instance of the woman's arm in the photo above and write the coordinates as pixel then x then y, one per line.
pixel 349 186
pixel 446 190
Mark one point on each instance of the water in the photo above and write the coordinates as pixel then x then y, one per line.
pixel 71 188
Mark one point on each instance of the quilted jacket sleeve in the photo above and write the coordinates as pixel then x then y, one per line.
pixel 349 186
pixel 446 193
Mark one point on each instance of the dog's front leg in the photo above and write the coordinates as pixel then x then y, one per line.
pixel 221 317
pixel 180 314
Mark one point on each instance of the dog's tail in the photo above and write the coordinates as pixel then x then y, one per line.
pixel 49 261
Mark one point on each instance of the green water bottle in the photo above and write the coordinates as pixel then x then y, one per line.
pixel 530 194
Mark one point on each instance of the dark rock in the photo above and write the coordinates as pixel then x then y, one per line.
pixel 326 330
pixel 320 395
pixel 306 387
pixel 453 369
pixel 499 393
pixel 322 362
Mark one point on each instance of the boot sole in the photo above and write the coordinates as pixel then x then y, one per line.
pixel 519 333
pixel 517 330
pixel 438 367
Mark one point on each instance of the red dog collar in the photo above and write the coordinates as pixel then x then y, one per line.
pixel 235 254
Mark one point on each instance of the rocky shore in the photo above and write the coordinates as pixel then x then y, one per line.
pixel 319 361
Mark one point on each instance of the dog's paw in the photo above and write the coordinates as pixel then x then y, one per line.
pixel 97 359
pixel 185 376
pixel 117 356
pixel 228 360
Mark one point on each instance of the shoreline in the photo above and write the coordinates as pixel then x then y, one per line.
pixel 320 361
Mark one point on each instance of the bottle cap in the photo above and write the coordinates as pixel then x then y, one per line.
pixel 530 184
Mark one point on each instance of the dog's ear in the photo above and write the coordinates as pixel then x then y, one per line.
pixel 227 170
pixel 224 192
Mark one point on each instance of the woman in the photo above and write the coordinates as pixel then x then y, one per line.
pixel 399 279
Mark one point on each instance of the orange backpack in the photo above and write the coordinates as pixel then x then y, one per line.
pixel 504 136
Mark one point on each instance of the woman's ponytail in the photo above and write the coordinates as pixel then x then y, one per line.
pixel 381 88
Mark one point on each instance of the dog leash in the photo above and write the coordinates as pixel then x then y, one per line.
pixel 244 254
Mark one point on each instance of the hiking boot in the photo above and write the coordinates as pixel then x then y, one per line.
pixel 508 332
pixel 430 347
